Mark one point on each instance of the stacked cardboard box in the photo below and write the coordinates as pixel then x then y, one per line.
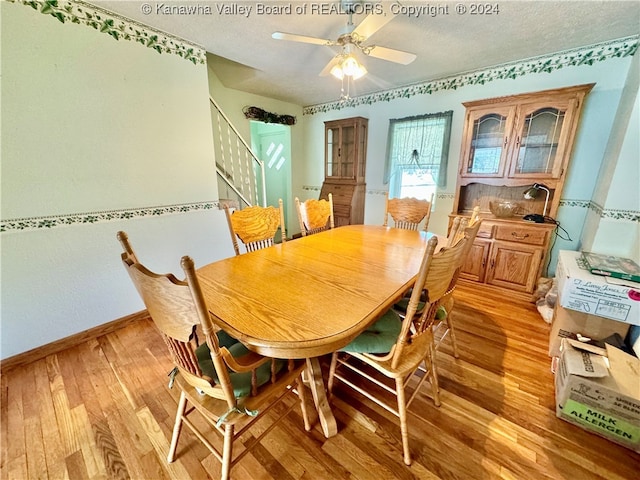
pixel 589 304
pixel 600 394
pixel 569 323
pixel 580 290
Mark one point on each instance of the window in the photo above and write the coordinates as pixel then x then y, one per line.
pixel 417 152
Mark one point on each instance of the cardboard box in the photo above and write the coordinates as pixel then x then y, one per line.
pixel 580 290
pixel 602 399
pixel 567 322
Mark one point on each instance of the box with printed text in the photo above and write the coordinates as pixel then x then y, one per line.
pixel 580 290
pixel 600 394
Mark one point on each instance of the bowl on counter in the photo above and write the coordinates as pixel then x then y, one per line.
pixel 504 208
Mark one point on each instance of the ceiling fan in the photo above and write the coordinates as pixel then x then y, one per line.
pixel 354 39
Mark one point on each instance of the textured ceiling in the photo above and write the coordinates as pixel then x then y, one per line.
pixel 245 57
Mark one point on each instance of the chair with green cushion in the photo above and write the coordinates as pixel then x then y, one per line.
pixel 443 326
pixel 394 349
pixel 230 386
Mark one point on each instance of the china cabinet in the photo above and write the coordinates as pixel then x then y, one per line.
pixel 344 168
pixel 509 145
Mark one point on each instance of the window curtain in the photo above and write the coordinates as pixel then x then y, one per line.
pixel 419 142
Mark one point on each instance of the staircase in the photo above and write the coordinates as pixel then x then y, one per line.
pixel 241 180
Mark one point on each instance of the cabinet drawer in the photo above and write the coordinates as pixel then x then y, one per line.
pixel 341 210
pixel 485 230
pixel 514 233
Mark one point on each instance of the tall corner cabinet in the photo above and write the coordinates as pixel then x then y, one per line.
pixel 508 144
pixel 345 158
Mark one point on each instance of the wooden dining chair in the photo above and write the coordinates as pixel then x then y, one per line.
pixel 394 349
pixel 442 323
pixel 256 227
pixel 407 213
pixel 443 327
pixel 230 386
pixel 315 215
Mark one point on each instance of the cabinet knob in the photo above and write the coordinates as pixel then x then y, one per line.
pixel 519 237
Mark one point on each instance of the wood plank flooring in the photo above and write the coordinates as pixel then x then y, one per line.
pixel 103 410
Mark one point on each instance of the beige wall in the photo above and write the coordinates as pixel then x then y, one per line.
pixel 93 130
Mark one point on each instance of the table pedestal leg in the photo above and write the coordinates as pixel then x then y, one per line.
pixel 327 420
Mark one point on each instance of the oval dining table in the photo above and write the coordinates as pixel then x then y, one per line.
pixel 311 296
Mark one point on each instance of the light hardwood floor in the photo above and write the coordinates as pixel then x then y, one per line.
pixel 103 410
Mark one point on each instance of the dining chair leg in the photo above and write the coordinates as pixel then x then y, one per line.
pixel 402 413
pixel 332 372
pixel 435 387
pixel 303 404
pixel 450 328
pixel 177 427
pixel 452 335
pixel 227 450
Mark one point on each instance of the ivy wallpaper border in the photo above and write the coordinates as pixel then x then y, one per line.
pixel 619 48
pixel 118 27
pixel 54 221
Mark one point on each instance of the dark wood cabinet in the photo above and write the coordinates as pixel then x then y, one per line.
pixel 344 168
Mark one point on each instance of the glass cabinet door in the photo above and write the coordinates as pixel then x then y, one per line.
pixel 348 151
pixel 487 141
pixel 540 140
pixel 341 151
pixel 332 151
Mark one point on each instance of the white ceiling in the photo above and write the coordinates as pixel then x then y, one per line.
pixel 245 57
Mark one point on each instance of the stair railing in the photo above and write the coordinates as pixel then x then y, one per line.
pixel 236 164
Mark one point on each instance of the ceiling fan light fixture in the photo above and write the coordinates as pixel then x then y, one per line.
pixel 337 72
pixel 361 72
pixel 349 67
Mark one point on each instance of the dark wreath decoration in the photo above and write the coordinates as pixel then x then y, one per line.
pixel 256 113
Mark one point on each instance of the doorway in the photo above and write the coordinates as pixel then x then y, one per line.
pixel 272 144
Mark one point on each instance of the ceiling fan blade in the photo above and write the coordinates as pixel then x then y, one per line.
pixel 371 24
pixel 384 53
pixel 301 38
pixel 327 69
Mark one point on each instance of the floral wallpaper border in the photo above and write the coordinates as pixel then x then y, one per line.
pixel 53 221
pixel 120 28
pixel 628 215
pixel 623 47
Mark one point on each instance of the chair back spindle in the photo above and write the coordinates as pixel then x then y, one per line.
pixel 256 227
